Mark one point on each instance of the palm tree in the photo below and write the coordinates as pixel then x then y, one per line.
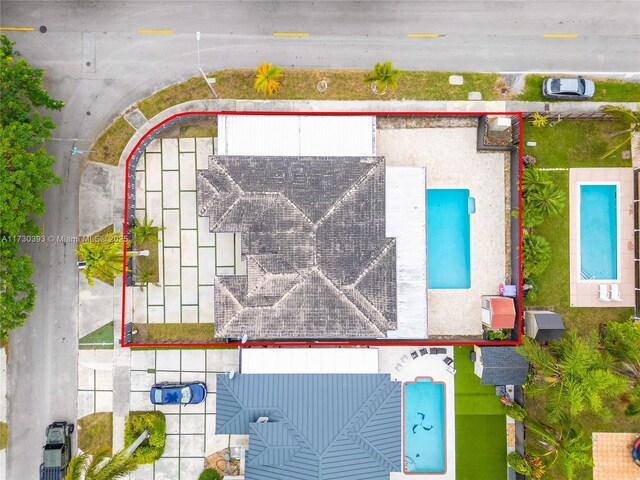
pixel 533 179
pixel 383 76
pixel 100 467
pixel 573 375
pixel 104 259
pixel 536 254
pixel 145 231
pixel 531 215
pixel 145 275
pixel 570 445
pixel 622 341
pixel 627 117
pixel 267 77
pixel 548 199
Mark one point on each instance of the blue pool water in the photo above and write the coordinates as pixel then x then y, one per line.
pixel 598 232
pixel 424 426
pixel 448 242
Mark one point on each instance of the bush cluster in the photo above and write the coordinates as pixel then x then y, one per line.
pixel 152 448
pixel 209 474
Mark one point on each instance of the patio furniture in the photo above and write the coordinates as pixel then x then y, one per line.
pixel 404 358
pixel 615 292
pixel 398 366
pixel 441 351
pixel 604 294
pixel 449 362
pixel 414 355
pixel 433 351
pixel 507 290
pixel 472 356
pixel 424 351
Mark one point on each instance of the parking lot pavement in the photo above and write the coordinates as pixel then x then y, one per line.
pixel 190 428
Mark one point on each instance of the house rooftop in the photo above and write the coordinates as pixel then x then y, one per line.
pixel 313 237
pixel 357 434
pixel 503 366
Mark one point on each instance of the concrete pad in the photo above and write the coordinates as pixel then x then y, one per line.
pixel 172 305
pixel 139 401
pixel 215 443
pixel 189 248
pixel 96 197
pixel 154 208
pixel 187 145
pixel 141 196
pixel 85 403
pixel 168 409
pixel 155 295
pixel 188 210
pixel 140 305
pixel 187 171
pixel 169 154
pixel 167 469
pixel 104 379
pixel 173 424
pixel 168 360
pixel 85 378
pixel 170 189
pixel 143 472
pixel 104 401
pixel 190 314
pixel 141 381
pixel 225 249
pixel 189 286
pixel 93 301
pixel 143 359
pixel 475 96
pixel 205 237
pixel 225 270
pixel 171 266
pixel 191 466
pixel 156 314
pixel 210 402
pixel 206 266
pixel 171 446
pixel 192 445
pixel 211 386
pixel 192 377
pixel 204 148
pixel 456 80
pixel 240 441
pixel 193 360
pixel 191 423
pixel 167 377
pixel 153 172
pixel 206 304
pixel 154 146
pixel 222 360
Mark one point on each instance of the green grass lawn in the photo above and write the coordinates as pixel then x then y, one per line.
pixel 606 90
pixel 103 335
pixel 481 438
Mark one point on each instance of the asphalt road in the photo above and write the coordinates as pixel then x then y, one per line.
pixel 98 61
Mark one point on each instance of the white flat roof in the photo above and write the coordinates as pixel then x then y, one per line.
pixel 294 135
pixel 405 220
pixel 309 360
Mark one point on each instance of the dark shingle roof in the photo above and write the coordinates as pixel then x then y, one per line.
pixel 503 366
pixel 321 426
pixel 313 236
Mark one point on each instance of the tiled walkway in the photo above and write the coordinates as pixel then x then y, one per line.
pixel 95 381
pixel 612 457
pixel 190 429
pixel 190 256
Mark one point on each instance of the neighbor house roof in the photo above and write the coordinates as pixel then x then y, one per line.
pixel 503 366
pixel 328 427
pixel 313 237
pixel 543 325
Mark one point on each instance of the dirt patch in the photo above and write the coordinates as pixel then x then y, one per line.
pixel 502 90
pixel 222 463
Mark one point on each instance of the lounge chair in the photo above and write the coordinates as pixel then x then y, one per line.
pixel 398 366
pixel 604 294
pixel 449 362
pixel 404 358
pixel 424 351
pixel 615 292
pixel 414 355
pixel 441 351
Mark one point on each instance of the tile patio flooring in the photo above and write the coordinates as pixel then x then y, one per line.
pixel 190 256
pixel 190 429
pixel 95 381
pixel 586 294
pixel 612 457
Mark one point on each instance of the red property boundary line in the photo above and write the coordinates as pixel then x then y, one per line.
pixel 321 343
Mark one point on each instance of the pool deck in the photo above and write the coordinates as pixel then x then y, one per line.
pixel 586 294
pixel 451 160
pixel 424 366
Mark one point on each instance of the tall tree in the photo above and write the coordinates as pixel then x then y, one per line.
pixel 627 117
pixel 17 293
pixel 622 341
pixel 100 466
pixel 573 375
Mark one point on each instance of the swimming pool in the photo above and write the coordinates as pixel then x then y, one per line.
pixel 448 241
pixel 424 427
pixel 598 227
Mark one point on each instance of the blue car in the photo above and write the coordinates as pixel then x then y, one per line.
pixel 170 393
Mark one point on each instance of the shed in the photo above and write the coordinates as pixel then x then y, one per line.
pixel 498 312
pixel 543 326
pixel 500 366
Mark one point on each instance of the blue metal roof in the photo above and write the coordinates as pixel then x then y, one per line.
pixel 322 426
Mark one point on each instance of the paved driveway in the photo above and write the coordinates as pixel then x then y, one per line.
pixel 190 429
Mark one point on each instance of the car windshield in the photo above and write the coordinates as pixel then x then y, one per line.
pixel 582 86
pixel 186 395
pixel 157 395
pixel 555 85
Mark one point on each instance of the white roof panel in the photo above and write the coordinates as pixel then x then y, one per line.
pixel 309 360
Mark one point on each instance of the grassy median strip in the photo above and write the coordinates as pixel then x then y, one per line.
pixel 111 143
pixel 606 90
pixel 183 333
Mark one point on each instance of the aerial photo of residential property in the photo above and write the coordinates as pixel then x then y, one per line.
pixel 320 240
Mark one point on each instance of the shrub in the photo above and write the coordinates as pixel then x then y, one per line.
pixel 536 255
pixel 518 464
pixel 152 448
pixel 209 474
pixel 528 161
pixel 515 411
pixel 267 79
pixel 538 120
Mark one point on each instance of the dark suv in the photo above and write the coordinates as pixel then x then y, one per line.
pixel 57 451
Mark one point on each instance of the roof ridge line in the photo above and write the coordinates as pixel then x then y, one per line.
pixel 228 292
pixel 391 241
pixel 349 191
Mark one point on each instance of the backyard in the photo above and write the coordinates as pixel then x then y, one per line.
pixel 573 143
pixel 481 438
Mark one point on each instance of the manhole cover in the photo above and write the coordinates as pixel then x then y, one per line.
pixel 43 29
pixel 322 86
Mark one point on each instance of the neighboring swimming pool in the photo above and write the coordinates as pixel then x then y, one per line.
pixel 448 238
pixel 598 227
pixel 424 427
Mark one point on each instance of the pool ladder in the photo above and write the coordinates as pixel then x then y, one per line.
pixel 585 275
